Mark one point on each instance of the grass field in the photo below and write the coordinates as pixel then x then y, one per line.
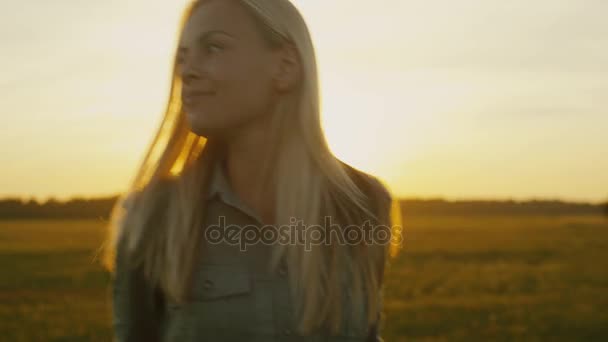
pixel 458 278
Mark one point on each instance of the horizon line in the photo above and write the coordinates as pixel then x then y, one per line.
pixel 39 199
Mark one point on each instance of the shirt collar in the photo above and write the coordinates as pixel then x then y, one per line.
pixel 219 183
pixel 219 186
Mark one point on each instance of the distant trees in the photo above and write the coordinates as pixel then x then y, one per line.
pixel 80 208
pixel 441 207
pixel 77 208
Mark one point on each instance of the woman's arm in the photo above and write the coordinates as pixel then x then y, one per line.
pixel 137 309
pixel 382 205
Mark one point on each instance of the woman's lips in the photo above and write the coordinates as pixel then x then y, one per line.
pixel 191 98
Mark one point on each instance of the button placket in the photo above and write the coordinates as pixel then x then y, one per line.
pixel 282 302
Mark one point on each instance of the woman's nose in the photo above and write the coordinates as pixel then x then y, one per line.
pixel 190 70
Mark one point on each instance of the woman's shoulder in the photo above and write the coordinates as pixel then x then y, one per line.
pixel 158 191
pixel 371 185
pixel 145 208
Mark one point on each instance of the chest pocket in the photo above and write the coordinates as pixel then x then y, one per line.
pixel 217 282
pixel 221 301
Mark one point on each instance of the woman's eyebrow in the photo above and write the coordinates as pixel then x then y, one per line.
pixel 204 36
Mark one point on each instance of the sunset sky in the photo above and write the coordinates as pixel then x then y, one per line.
pixel 467 99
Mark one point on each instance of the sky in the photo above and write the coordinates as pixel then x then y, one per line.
pixel 468 99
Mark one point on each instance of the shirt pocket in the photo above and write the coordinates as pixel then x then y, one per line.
pixel 221 283
pixel 221 302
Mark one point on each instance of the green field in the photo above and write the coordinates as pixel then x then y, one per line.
pixel 458 278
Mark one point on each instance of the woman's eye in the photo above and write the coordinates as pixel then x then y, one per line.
pixel 212 47
pixel 207 47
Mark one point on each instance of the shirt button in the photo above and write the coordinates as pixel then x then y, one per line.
pixel 208 284
pixel 283 270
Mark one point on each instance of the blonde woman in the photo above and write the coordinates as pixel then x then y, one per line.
pixel 239 153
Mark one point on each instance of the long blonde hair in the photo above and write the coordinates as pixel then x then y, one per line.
pixel 159 218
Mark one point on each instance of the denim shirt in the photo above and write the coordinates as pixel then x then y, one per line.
pixel 235 296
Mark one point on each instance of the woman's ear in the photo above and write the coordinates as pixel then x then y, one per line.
pixel 288 71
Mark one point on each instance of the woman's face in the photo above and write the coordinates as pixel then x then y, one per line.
pixel 227 69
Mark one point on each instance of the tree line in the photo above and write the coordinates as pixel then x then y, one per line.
pixel 80 208
pixel 508 207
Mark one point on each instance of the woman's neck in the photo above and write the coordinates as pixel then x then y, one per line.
pixel 245 158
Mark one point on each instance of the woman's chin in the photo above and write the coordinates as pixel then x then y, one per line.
pixel 198 125
pixel 203 127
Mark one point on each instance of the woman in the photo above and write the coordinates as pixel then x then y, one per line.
pixel 241 145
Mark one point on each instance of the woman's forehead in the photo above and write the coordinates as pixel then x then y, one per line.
pixel 217 15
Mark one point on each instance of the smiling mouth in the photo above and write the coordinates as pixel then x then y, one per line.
pixel 190 99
